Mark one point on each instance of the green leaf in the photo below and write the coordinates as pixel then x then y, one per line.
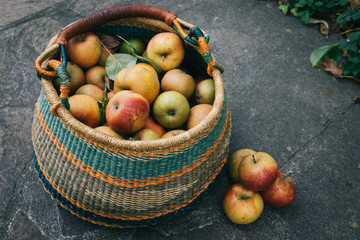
pixel 300 3
pixel 328 51
pixel 115 63
pixel 284 8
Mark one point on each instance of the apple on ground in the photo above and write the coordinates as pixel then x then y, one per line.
pixel 281 193
pixel 84 49
pixel 258 171
pixel 127 112
pixel 105 52
pixel 151 124
pixel 139 79
pixel 205 92
pixel 166 49
pixel 77 78
pixel 109 131
pixel 178 80
pixel 242 205
pixel 96 75
pixel 92 91
pixel 235 160
pixel 172 133
pixel 137 44
pixel 146 134
pixel 85 109
pixel 197 114
pixel 171 109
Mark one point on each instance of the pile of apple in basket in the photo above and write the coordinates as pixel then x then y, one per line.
pixel 132 89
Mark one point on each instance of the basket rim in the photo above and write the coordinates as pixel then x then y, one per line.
pixel 135 145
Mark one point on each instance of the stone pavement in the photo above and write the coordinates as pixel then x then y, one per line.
pixel 302 116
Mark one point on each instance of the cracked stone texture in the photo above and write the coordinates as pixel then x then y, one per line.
pixel 302 116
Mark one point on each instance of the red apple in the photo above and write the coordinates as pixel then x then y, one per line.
pixel 171 109
pixel 84 49
pixel 178 80
pixel 197 114
pixel 110 95
pixel 235 161
pixel 85 109
pixel 258 171
pixel 92 91
pixel 146 134
pixel 96 75
pixel 242 205
pixel 281 193
pixel 154 126
pixel 127 112
pixel 166 49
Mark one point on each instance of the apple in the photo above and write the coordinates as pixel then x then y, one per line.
pixel 77 78
pixel 242 205
pixel 110 95
pixel 146 134
pixel 105 52
pixel 235 160
pixel 171 109
pixel 96 75
pixel 172 133
pixel 109 131
pixel 166 49
pixel 139 79
pixel 148 66
pixel 281 193
pixel 197 114
pixel 137 44
pixel 178 80
pixel 154 126
pixel 84 49
pixel 85 109
pixel 258 171
pixel 205 91
pixel 92 91
pixel 127 112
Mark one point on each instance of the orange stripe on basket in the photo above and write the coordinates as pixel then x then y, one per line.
pixel 174 208
pixel 121 181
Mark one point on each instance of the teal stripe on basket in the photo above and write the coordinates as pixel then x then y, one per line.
pixel 121 165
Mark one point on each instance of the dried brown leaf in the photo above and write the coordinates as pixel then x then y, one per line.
pixel 356 99
pixel 331 66
pixel 109 42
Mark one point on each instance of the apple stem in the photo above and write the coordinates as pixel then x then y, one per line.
pixel 287 174
pixel 244 197
pixel 253 156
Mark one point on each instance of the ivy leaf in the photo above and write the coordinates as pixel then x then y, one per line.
pixel 284 8
pixel 328 51
pixel 115 63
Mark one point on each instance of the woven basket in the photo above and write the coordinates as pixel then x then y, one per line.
pixel 122 183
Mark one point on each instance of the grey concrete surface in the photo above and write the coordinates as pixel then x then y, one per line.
pixel 302 116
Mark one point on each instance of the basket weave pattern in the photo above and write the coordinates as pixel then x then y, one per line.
pixel 135 185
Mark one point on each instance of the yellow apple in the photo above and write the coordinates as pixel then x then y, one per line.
pixel 85 109
pixel 178 80
pixel 197 114
pixel 138 79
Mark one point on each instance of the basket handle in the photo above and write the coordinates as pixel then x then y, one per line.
pixel 112 14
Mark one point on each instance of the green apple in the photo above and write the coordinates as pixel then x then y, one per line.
pixel 137 44
pixel 235 161
pixel 205 91
pixel 171 109
pixel 178 80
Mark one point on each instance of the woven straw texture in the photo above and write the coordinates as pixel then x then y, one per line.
pixel 122 183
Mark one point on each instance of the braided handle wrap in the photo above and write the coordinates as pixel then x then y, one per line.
pixel 112 14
